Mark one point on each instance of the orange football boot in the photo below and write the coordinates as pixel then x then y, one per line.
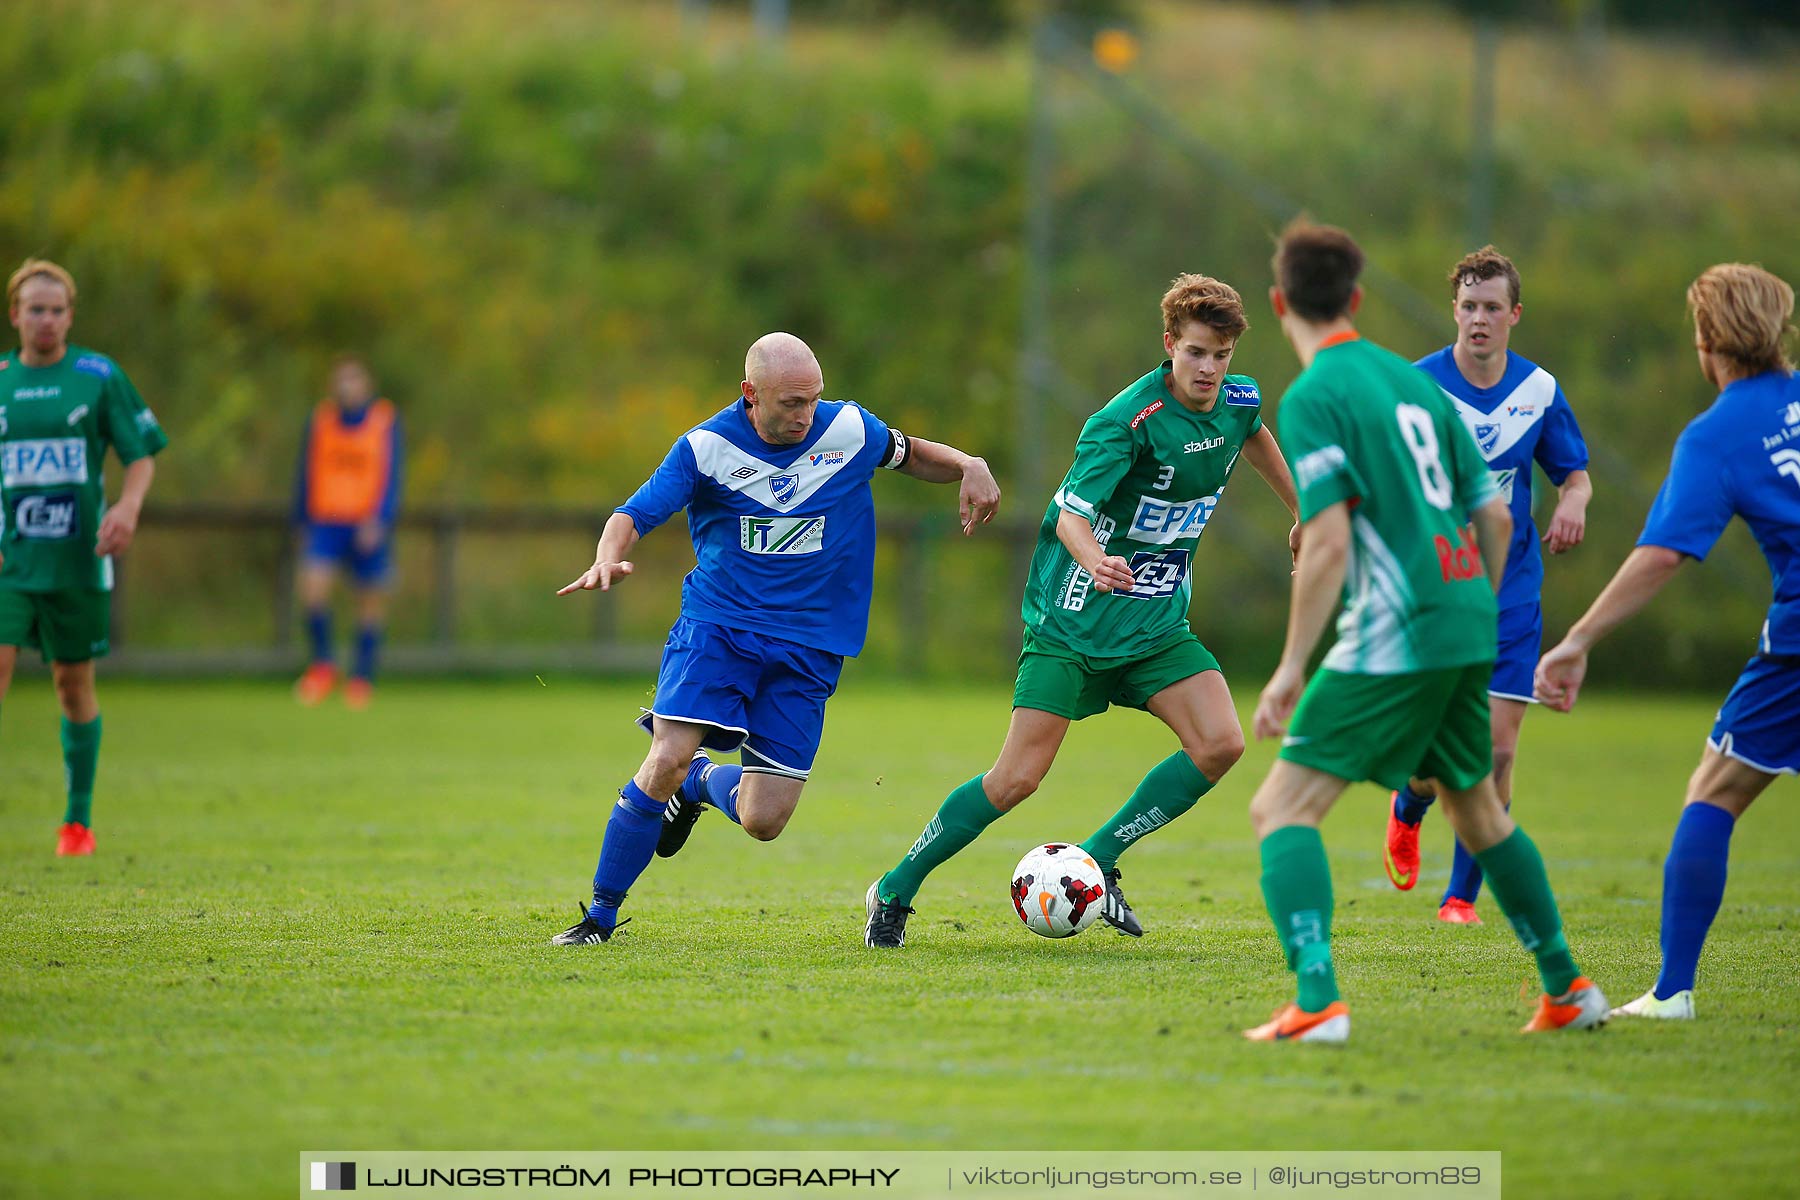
pixel 357 694
pixel 1457 911
pixel 1291 1023
pixel 1581 1007
pixel 318 682
pixel 1402 850
pixel 73 840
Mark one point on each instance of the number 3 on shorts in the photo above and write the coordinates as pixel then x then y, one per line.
pixel 1421 439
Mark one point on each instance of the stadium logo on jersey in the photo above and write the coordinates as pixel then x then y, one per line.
pixel 827 458
pixel 1160 522
pixel 1208 444
pixel 81 410
pixel 1244 395
pixel 50 392
pixel 43 462
pixel 1488 436
pixel 93 364
pixel 784 488
pixel 782 535
pixel 1144 414
pixel 44 518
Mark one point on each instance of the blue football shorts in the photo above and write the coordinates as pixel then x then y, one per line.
pixel 1759 723
pixel 762 696
pixel 335 545
pixel 1520 641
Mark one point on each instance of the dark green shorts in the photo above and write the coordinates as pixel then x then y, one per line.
pixel 1389 728
pixel 1057 680
pixel 66 626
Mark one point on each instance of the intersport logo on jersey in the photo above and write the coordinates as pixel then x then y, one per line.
pixel 43 462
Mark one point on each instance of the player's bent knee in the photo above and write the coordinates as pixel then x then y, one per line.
pixel 1009 791
pixel 764 828
pixel 1219 755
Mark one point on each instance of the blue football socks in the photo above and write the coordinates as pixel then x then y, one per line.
pixel 1693 886
pixel 716 784
pixel 318 633
pixel 630 842
pixel 1410 807
pixel 368 643
pixel 1465 875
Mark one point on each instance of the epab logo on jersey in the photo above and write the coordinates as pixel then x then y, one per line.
pixel 43 462
pixel 1161 522
pixel 43 517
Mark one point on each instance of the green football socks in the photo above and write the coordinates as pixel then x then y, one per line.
pixel 964 813
pixel 1296 884
pixel 1515 875
pixel 1170 789
pixel 81 758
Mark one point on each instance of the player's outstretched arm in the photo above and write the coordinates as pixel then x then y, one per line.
pixel 1318 580
pixel 610 563
pixel 1261 452
pixel 1561 672
pixel 119 525
pixel 978 499
pixel 1568 525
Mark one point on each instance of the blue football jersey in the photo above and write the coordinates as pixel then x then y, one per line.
pixel 1522 419
pixel 784 536
pixel 1741 457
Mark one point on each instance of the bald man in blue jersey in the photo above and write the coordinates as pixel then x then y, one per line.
pixel 776 488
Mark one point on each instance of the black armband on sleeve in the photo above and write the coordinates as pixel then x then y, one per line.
pixel 899 451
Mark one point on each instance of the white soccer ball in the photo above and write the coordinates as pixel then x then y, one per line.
pixel 1057 890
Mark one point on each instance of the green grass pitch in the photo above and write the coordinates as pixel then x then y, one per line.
pixel 306 929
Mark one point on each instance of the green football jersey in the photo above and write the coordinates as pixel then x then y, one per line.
pixel 55 425
pixel 1148 473
pixel 1363 425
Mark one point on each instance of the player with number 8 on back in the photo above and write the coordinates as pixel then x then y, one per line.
pixel 1106 601
pixel 1389 480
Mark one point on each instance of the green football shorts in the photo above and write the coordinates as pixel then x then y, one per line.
pixel 66 626
pixel 1058 680
pixel 1388 728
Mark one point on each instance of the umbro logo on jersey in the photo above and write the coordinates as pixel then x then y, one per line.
pixel 744 473
pixel 1208 444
